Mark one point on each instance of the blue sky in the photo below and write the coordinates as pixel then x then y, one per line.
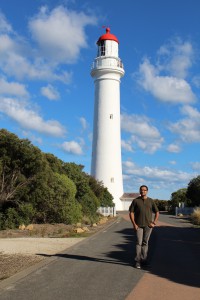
pixel 47 94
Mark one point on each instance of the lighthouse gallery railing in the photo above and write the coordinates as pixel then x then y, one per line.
pixel 107 62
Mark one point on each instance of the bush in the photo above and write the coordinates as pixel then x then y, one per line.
pixel 2 221
pixel 12 219
pixel 71 213
pixel 193 191
pixel 90 203
pixel 195 216
pixel 27 213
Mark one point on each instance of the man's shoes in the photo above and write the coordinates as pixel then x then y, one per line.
pixel 137 265
pixel 145 264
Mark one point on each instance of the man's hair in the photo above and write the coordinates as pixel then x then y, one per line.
pixel 144 186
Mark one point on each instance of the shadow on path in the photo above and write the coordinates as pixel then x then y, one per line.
pixel 174 253
pixel 123 253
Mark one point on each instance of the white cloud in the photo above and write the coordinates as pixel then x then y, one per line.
pixel 139 125
pixel 195 165
pixel 7 45
pixel 126 145
pixel 164 88
pixel 196 81
pixel 35 69
pixel 13 55
pixel 191 112
pixel 143 134
pixel 32 137
pixel 148 146
pixel 12 88
pixel 50 92
pixel 4 25
pixel 30 119
pixel 84 123
pixel 176 57
pixel 174 148
pixel 60 33
pixel 129 164
pixel 18 58
pixel 166 79
pixel 155 177
pixel 172 162
pixel 72 147
pixel 155 173
pixel 188 128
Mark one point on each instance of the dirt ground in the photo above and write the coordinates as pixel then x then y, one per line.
pixel 39 230
pixel 20 248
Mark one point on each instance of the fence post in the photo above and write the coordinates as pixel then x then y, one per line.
pixel 176 210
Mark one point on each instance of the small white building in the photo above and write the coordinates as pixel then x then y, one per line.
pixel 127 199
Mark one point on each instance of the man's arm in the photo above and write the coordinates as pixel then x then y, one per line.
pixel 132 217
pixel 156 217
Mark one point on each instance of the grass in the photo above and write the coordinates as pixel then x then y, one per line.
pixel 76 235
pixel 195 216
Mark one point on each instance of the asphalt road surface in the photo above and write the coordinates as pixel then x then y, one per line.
pixel 101 267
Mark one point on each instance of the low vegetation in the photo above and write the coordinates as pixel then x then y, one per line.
pixel 189 196
pixel 37 187
pixel 195 216
pixel 163 205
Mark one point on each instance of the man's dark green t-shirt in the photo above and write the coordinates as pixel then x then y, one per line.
pixel 143 210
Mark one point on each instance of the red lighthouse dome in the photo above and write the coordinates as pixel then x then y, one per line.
pixel 107 36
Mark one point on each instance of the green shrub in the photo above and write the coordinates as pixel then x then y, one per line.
pixel 12 219
pixel 90 203
pixel 195 216
pixel 27 213
pixel 71 213
pixel 2 221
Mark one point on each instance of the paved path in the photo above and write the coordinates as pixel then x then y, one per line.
pixel 100 267
pixel 175 272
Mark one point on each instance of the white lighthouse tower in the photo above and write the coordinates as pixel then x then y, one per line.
pixel 107 69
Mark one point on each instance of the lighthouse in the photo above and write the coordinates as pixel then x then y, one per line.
pixel 107 70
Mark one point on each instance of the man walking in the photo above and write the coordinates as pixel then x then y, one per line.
pixel 141 212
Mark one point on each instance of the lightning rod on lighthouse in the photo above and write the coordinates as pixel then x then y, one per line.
pixel 107 70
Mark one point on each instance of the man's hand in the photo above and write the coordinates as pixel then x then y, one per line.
pixel 135 227
pixel 152 225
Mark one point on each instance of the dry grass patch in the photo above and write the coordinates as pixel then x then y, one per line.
pixel 11 264
pixel 195 216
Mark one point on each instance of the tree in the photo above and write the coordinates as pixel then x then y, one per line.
pixel 107 199
pixel 193 191
pixel 90 203
pixel 73 171
pixel 55 163
pixel 96 186
pixel 179 197
pixel 20 161
pixel 162 205
pixel 81 180
pixel 40 187
pixel 59 204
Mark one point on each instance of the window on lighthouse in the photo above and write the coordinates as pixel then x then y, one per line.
pixel 101 48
